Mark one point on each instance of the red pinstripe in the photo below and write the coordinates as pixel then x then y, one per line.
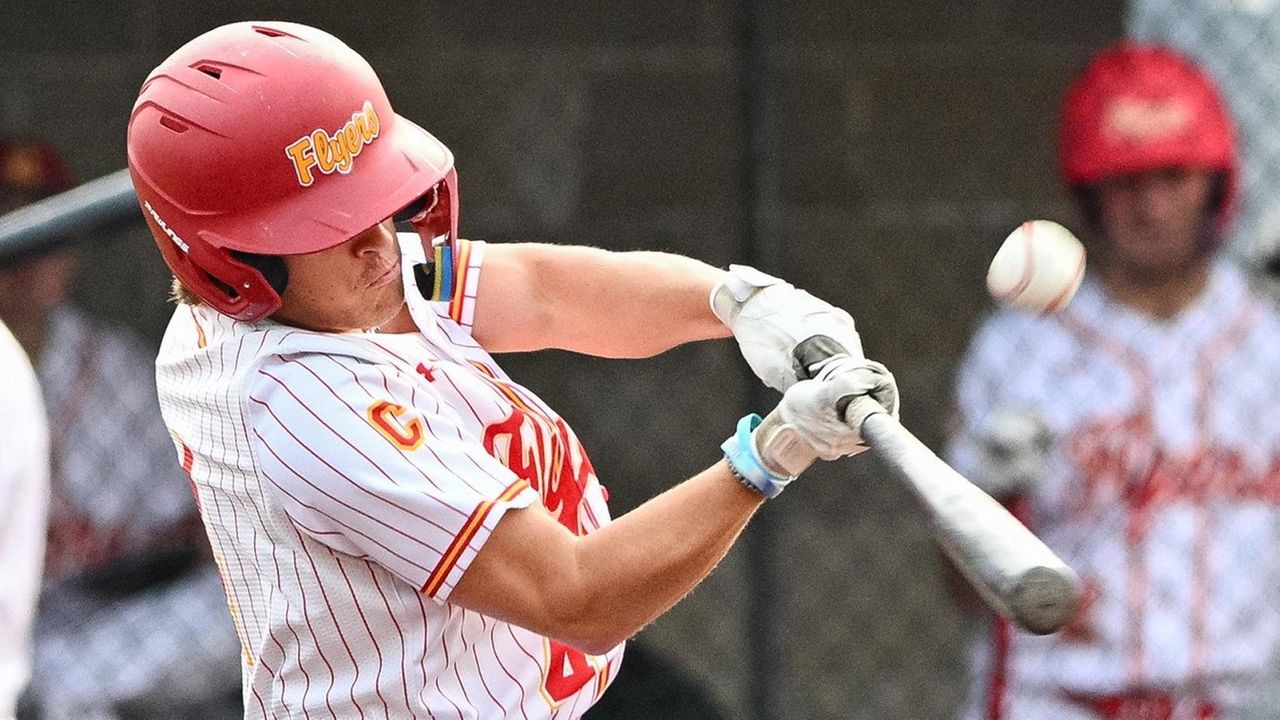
pixel 493 646
pixel 319 646
pixel 1137 517
pixel 332 617
pixel 464 537
pixel 373 640
pixel 393 528
pixel 404 680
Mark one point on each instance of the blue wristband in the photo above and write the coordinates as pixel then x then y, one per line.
pixel 745 464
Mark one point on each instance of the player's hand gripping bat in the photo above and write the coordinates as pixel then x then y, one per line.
pixel 1017 574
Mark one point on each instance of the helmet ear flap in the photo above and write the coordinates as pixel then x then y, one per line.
pixel 271 267
pixel 231 285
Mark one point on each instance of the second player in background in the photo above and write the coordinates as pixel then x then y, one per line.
pixel 1138 431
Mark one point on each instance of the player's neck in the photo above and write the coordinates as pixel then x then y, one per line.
pixel 402 323
pixel 1158 296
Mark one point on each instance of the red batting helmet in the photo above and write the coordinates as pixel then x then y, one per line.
pixel 1139 107
pixel 273 138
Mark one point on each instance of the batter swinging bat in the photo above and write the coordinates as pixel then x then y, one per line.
pixel 1017 574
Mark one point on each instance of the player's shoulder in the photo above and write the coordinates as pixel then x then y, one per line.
pixel 202 343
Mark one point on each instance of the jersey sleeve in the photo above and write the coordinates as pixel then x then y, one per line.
pixel 371 463
pixel 461 307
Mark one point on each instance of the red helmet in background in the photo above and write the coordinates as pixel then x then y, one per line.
pixel 273 138
pixel 1139 107
pixel 30 170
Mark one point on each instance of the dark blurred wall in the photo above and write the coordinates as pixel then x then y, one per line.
pixel 916 134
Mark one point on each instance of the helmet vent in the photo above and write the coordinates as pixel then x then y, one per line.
pixel 211 70
pixel 269 32
pixel 174 124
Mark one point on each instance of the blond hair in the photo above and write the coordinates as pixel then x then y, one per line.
pixel 180 293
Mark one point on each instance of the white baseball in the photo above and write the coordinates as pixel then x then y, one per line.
pixel 1039 267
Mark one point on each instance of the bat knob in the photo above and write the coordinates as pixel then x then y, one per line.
pixel 1045 598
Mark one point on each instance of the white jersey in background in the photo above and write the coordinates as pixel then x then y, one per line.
pixel 346 482
pixel 1162 491
pixel 24 497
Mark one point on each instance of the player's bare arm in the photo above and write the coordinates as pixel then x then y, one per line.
pixel 638 304
pixel 597 590
pixel 609 304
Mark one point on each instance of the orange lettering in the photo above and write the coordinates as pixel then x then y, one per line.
pixel 303 160
pixel 336 152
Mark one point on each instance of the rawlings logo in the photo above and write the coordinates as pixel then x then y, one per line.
pixel 1139 120
pixel 165 227
pixel 333 153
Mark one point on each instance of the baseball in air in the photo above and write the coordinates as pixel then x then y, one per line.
pixel 1038 268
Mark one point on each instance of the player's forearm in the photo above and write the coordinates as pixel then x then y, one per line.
pixel 597 590
pixel 632 571
pixel 608 304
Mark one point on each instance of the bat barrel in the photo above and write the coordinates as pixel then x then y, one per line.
pixel 1044 599
pixel 1016 573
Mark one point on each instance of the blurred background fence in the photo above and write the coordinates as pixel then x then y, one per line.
pixel 911 137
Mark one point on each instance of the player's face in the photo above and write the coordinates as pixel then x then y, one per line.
pixel 355 285
pixel 1154 221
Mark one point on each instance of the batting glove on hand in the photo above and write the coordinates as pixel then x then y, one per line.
pixel 769 317
pixel 1013 452
pixel 818 418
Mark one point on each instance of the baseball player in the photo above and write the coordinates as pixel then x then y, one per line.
pixel 402 528
pixel 1138 432
pixel 24 497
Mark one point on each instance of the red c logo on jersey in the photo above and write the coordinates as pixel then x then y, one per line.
pixel 386 417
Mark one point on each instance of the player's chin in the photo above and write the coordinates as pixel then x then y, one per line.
pixel 385 305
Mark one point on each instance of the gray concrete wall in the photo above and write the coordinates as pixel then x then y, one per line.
pixel 916 135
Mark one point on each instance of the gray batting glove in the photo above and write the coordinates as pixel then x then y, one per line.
pixel 1013 452
pixel 769 317
pixel 822 418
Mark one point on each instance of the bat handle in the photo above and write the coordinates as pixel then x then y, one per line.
pixel 810 353
pixel 867 408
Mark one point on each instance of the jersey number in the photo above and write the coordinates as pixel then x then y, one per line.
pixel 567 671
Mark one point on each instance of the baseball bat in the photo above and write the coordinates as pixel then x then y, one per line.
pixel 1013 570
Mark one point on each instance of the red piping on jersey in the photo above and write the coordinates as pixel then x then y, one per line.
pixel 464 537
pixel 1136 517
pixel 1210 358
pixel 201 340
pixel 463 264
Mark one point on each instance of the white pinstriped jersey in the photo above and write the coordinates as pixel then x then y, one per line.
pixel 1162 490
pixel 346 482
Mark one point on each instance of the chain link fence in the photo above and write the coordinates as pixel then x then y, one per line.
pixel 1238 43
